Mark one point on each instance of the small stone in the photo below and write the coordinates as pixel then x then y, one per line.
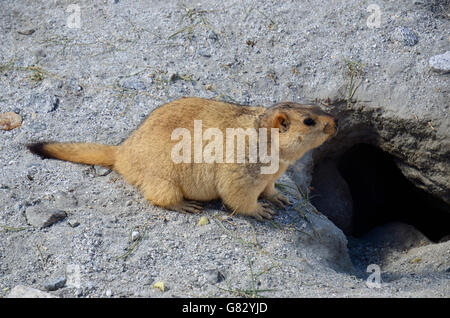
pixel 160 286
pixel 214 276
pixel 21 291
pixel 54 104
pixel 133 84
pixel 108 293
pixel 213 36
pixel 40 53
pixel 203 52
pixel 135 235
pixel 27 32
pixel 406 36
pixel 10 121
pixel 173 76
pixel 202 221
pixel 101 171
pixel 73 223
pixel 55 284
pixel 42 217
pixel 74 85
pixel 37 127
pixel 42 103
pixel 64 201
pixel 440 63
pixel 416 260
pixel 33 168
pixel 89 285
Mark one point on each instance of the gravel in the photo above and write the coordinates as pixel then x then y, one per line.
pixel 97 80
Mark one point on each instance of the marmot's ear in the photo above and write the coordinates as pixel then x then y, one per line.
pixel 281 121
pixel 274 118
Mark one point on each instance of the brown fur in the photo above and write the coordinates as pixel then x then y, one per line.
pixel 144 159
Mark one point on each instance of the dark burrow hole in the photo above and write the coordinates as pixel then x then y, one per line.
pixel 379 194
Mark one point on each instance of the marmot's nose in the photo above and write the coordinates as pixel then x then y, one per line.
pixel 330 125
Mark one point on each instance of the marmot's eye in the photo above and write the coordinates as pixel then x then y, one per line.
pixel 309 122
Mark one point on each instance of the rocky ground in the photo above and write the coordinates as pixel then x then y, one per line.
pixel 92 71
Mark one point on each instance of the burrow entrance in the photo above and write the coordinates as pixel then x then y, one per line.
pixel 375 192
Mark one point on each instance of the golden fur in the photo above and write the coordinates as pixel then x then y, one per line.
pixel 144 159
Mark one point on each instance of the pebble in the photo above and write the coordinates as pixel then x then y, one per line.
pixel 42 217
pixel 32 170
pixel 440 63
pixel 160 285
pixel 406 36
pixel 101 171
pixel 133 84
pixel 64 201
pixel 55 284
pixel 203 52
pixel 42 103
pixel 213 36
pixel 27 32
pixel 73 223
pixel 37 127
pixel 173 76
pixel 202 221
pixel 214 276
pixel 135 235
pixel 10 121
pixel 108 293
pixel 54 104
pixel 39 53
pixel 74 85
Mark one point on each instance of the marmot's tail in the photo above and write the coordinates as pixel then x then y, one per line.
pixel 87 153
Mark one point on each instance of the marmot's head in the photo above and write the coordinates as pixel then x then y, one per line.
pixel 301 127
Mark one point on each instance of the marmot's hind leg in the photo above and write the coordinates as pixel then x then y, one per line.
pixel 168 195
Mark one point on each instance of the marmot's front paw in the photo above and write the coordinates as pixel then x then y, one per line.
pixel 262 212
pixel 279 199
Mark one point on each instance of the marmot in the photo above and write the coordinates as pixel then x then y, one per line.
pixel 145 158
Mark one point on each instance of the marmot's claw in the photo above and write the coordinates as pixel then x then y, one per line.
pixel 189 207
pixel 280 200
pixel 263 212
